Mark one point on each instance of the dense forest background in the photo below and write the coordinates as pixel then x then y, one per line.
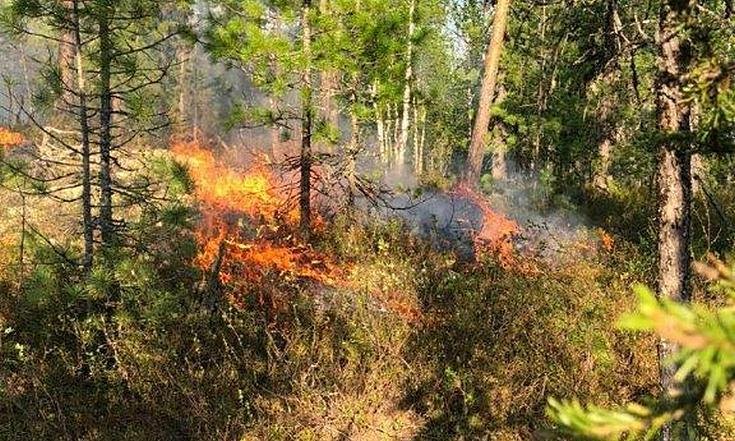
pixel 366 219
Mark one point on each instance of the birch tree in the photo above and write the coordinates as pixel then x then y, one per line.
pixel 403 137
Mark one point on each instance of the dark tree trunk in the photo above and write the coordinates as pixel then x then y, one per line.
pixel 482 119
pixel 105 177
pixel 351 154
pixel 83 115
pixel 183 57
pixel 306 123
pixel 499 145
pixel 609 130
pixel 66 61
pixel 674 173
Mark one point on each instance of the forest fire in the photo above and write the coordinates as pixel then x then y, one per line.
pixel 496 231
pixel 221 187
pixel 244 234
pixel 9 138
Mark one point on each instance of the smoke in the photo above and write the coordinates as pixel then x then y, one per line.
pixel 453 220
pixel 549 230
pixel 448 220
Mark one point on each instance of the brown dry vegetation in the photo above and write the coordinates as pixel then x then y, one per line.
pixel 414 344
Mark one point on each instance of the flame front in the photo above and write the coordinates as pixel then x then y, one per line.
pixel 224 189
pixel 245 232
pixel 497 231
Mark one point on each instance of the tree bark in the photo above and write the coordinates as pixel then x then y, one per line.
pixel 384 154
pixel 83 116
pixel 380 124
pixel 105 135
pixel 26 80
pixel 610 133
pixel 407 92
pixel 396 129
pixel 500 148
pixel 329 83
pixel 306 123
pixel 418 155
pixel 541 93
pixel 351 168
pixel 421 142
pixel 275 132
pixel 183 57
pixel 482 119
pixel 67 59
pixel 674 173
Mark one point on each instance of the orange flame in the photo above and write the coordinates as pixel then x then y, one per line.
pixel 222 188
pixel 10 139
pixel 245 258
pixel 606 240
pixel 497 231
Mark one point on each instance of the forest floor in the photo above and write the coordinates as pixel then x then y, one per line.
pixel 402 335
pixel 229 327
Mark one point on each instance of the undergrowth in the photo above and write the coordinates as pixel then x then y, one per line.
pixel 413 344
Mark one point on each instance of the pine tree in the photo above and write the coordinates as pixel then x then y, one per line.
pixel 107 62
pixel 489 83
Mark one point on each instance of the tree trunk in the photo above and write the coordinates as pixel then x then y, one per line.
pixel 396 130
pixel 183 57
pixel 105 135
pixel 329 109
pixel 351 169
pixel 306 122
pixel 418 155
pixel 27 80
pixel 66 60
pixel 421 142
pixel 380 124
pixel 674 174
pixel 406 115
pixel 540 95
pixel 601 177
pixel 482 118
pixel 699 164
pixel 610 133
pixel 500 148
pixel 275 132
pixel 83 115
pixel 384 156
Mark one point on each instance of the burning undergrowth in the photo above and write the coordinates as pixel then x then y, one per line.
pixel 459 220
pixel 248 222
pixel 551 230
pixel 247 240
pixel 509 224
pixel 246 232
